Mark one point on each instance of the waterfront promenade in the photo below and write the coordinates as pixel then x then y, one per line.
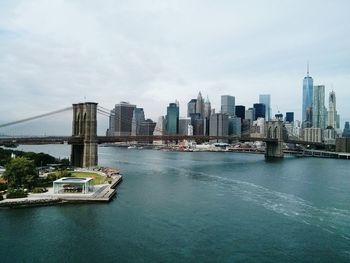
pixel 101 193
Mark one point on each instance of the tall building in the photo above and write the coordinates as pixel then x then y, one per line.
pixel 318 109
pixel 111 127
pixel 308 83
pixel 240 111
pixel 234 126
pixel 137 118
pixel 228 105
pixel 207 114
pixel 218 124
pixel 172 119
pixel 338 121
pixel 346 131
pixel 290 117
pixel 197 123
pixel 121 121
pixel 308 122
pixel 266 99
pixel 147 127
pixel 250 115
pixel 191 107
pixel 200 104
pixel 159 129
pixel 260 110
pixel 207 108
pixel 183 126
pixel 332 111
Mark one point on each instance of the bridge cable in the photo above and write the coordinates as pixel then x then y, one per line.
pixel 34 117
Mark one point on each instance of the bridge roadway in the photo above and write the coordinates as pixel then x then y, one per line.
pixel 139 138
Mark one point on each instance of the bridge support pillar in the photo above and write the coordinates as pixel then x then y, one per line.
pixel 274 130
pixel 84 132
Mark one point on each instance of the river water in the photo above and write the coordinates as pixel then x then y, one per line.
pixel 193 207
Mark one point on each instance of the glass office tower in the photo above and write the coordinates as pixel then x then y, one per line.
pixel 172 119
pixel 266 99
pixel 308 94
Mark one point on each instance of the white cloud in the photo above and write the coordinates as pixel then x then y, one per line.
pixel 55 52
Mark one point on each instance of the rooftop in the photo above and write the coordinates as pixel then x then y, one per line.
pixel 72 180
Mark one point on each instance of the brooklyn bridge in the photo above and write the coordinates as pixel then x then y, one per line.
pixel 84 140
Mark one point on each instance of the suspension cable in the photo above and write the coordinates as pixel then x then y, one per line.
pixel 34 117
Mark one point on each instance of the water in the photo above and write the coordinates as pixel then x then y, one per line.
pixel 193 207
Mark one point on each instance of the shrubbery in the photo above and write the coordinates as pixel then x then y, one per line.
pixel 39 190
pixel 57 175
pixel 16 193
pixel 3 186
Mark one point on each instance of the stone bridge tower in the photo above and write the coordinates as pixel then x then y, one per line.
pixel 274 131
pixel 84 135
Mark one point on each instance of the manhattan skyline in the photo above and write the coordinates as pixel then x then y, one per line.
pixel 55 53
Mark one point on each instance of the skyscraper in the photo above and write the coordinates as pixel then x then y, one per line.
pixel 191 107
pixel 318 109
pixel 240 111
pixel 183 126
pixel 260 110
pixel 137 118
pixel 228 105
pixel 307 95
pixel 266 99
pixel 207 114
pixel 332 111
pixel 160 126
pixel 346 131
pixel 250 115
pixel 200 105
pixel 121 121
pixel 172 119
pixel 290 117
pixel 147 127
pixel 207 108
pixel 218 124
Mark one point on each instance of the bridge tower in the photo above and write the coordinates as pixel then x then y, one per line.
pixel 275 132
pixel 84 135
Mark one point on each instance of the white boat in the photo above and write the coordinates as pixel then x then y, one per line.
pixel 132 147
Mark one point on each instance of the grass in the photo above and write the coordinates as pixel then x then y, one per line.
pixel 98 179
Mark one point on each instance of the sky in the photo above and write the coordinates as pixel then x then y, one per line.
pixel 54 53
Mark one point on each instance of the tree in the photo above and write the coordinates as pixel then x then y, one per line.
pixel 21 172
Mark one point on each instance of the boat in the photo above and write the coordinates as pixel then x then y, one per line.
pixel 132 147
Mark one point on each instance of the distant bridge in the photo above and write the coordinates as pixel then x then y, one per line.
pixel 84 139
pixel 35 140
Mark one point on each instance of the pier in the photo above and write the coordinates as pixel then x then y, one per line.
pixel 103 194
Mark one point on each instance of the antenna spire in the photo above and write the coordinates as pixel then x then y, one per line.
pixel 308 68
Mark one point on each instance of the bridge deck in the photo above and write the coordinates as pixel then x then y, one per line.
pixel 138 138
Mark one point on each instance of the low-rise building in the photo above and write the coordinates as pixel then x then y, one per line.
pixel 312 135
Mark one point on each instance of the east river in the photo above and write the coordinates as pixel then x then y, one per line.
pixel 193 207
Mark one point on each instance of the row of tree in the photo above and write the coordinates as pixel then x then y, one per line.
pixel 21 172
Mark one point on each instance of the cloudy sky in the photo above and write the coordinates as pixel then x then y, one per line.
pixel 54 53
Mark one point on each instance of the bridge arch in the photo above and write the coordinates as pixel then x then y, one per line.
pixel 269 133
pixel 275 133
pixel 84 126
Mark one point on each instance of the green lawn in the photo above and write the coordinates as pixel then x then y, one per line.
pixel 98 179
